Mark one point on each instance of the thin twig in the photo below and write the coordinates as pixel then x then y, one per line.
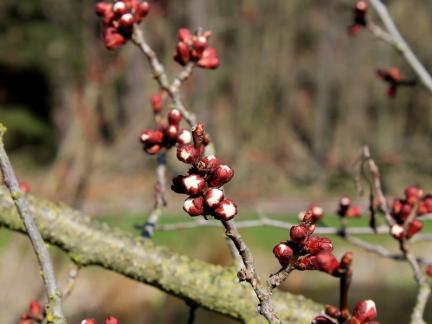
pixel 54 304
pixel 399 43
pixel 72 279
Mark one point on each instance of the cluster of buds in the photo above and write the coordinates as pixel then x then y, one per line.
pixel 194 48
pixel 359 18
pixel 204 181
pixel 35 314
pixel 393 77
pixel 316 211
pixel 413 202
pixel 305 251
pixel 364 312
pixel 168 132
pixel 108 320
pixel 346 209
pixel 119 18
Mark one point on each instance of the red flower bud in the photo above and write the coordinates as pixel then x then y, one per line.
pixel 182 53
pixel 35 309
pixel 321 319
pixel 213 197
pixel 327 262
pixel 299 233
pixel 178 185
pixel 332 311
pixel 208 164
pixel 172 132
pixel 353 212
pixel 184 35
pixel 112 38
pixel 346 260
pixel 429 270
pixel 365 311
pixel 184 137
pixel 222 175
pixel 151 137
pixel 397 231
pixel 174 117
pixel 225 210
pixel 209 59
pixel 127 21
pixel 186 153
pixel 283 253
pixel 156 102
pixel 142 10
pixel 119 8
pixel 345 201
pixel 102 8
pixel 24 187
pixel 153 149
pixel 317 213
pixel 194 184
pixel 111 320
pixel 413 194
pixel 89 321
pixel 194 206
pixel 316 244
pixel 414 227
pixel 308 262
pixel 425 206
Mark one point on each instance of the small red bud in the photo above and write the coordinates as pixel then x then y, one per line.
pixel 347 260
pixel 194 184
pixel 222 175
pixel 153 149
pixel 194 206
pixel 126 21
pixel 182 53
pixel 321 319
pixel 184 35
pixel 225 210
pixel 102 8
pixel 119 8
pixel 213 197
pixel 308 262
pixel 24 187
pixel 317 213
pixel 299 233
pixel 156 102
pixel 89 321
pixel 142 10
pixel 112 38
pixel 283 253
pixel 35 309
pixel 151 137
pixel 208 164
pixel 186 153
pixel 209 59
pixel 365 311
pixel 413 194
pixel 327 262
pixel 184 137
pixel 397 231
pixel 111 320
pixel 353 212
pixel 316 244
pixel 172 132
pixel 414 227
pixel 429 270
pixel 332 311
pixel 174 117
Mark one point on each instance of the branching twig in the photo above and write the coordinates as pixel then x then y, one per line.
pixel 394 38
pixel 54 305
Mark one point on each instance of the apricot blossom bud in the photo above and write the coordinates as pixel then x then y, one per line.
pixel 142 10
pixel 186 153
pixel 299 233
pixel 327 262
pixel 283 253
pixel 321 319
pixel 397 231
pixel 194 184
pixel 213 197
pixel 209 59
pixel 225 210
pixel 174 116
pixel 316 244
pixel 151 137
pixel 184 137
pixel 365 311
pixel 413 228
pixel 222 175
pixel 89 321
pixel 111 320
pixel 153 149
pixel 194 206
pixel 413 194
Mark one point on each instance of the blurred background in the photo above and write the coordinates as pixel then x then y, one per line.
pixel 289 108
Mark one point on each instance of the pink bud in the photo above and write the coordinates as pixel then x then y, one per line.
pixel 365 311
pixel 186 153
pixel 89 321
pixel 24 187
pixel 174 117
pixel 413 194
pixel 119 8
pixel 225 210
pixel 184 35
pixel 208 164
pixel 283 253
pixel 317 213
pixel 299 233
pixel 142 10
pixel 194 206
pixel 182 53
pixel 194 184
pixel 327 262
pixel 153 149
pixel 222 175
pixel 316 244
pixel 397 231
pixel 126 21
pixel 414 227
pixel 112 38
pixel 156 102
pixel 213 197
pixel 308 262
pixel 35 309
pixel 184 137
pixel 353 212
pixel 151 137
pixel 172 132
pixel 209 59
pixel 102 8
pixel 111 320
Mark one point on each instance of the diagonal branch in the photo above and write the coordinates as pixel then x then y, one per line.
pixel 54 305
pixel 394 38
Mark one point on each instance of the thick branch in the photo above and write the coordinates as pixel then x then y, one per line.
pixel 209 286
pixel 54 305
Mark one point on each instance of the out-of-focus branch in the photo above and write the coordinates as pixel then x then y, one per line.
pixel 54 304
pixel 394 37
pixel 72 278
pixel 89 242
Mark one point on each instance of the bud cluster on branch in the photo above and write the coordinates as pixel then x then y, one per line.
pixel 364 312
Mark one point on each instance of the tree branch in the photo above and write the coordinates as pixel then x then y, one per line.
pixel 89 242
pixel 399 43
pixel 54 305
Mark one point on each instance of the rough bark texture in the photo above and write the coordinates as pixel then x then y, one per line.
pixel 90 242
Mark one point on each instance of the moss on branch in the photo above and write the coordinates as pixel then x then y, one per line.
pixel 89 242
